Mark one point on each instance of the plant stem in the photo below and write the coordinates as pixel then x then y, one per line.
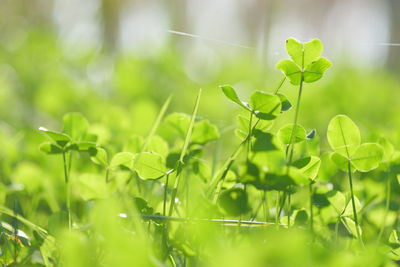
pixel 180 163
pixel 311 211
pixel 280 85
pixel 387 204
pixel 219 177
pixel 290 147
pixel 107 175
pixel 249 139
pixel 277 213
pixel 296 117
pixel 337 230
pixel 165 195
pixel 354 205
pixel 68 200
pixel 288 209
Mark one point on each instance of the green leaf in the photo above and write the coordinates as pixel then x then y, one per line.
pixel 91 186
pixel 367 157
pixel 312 51
pixel 75 125
pixel 243 126
pixel 338 202
pixel 50 148
pixel 234 202
pixel 349 207
pixel 204 132
pixel 286 105
pixel 288 133
pixel 265 106
pixel 309 166
pixel 142 206
pixel 393 238
pixel 351 226
pixel 343 135
pixel 83 146
pixel 291 71
pixel 230 93
pixel 316 69
pixel 60 139
pixel 295 50
pixel 388 149
pixel 158 145
pixel 124 159
pixel 149 165
pixel 180 122
pixel 264 141
pixel 342 162
pixel 100 157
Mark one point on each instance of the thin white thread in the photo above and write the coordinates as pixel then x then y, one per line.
pixel 208 39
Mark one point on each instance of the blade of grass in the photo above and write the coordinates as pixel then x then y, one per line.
pixel 180 162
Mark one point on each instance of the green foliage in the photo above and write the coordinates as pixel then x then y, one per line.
pixel 307 64
pixel 149 186
pixel 345 139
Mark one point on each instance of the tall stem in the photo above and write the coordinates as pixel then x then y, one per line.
pixel 290 147
pixel 68 200
pixel 354 205
pixel 165 195
pixel 387 204
pixel 296 118
pixel 280 85
pixel 311 210
pixel 277 212
pixel 249 139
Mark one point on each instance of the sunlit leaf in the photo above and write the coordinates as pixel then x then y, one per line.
pixel 343 135
pixel 288 134
pixel 149 165
pixel 309 166
pixel 367 157
pixel 204 132
pixel 75 125
pixel 60 139
pixel 124 159
pixel 100 157
pixel 316 70
pixel 230 93
pixel 291 71
pixel 265 106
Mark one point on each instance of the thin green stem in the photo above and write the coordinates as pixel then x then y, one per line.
pixel 387 204
pixel 280 85
pixel 354 205
pixel 310 187
pixel 277 212
pixel 290 147
pixel 180 163
pixel 165 195
pixel 249 139
pixel 337 230
pixel 296 118
pixel 219 177
pixel 289 208
pixel 107 175
pixel 68 198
